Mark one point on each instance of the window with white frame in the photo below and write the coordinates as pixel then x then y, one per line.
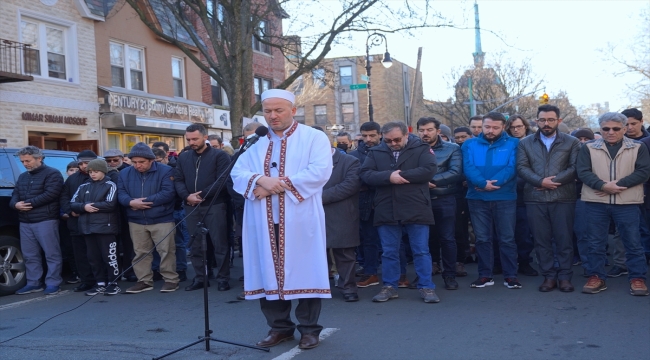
pixel 348 112
pixel 320 114
pixel 261 32
pixel 300 114
pixel 319 78
pixel 260 85
pixel 219 96
pixel 345 73
pixel 127 66
pixel 49 51
pixel 178 77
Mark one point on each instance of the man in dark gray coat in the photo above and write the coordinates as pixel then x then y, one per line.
pixel 341 205
pixel 547 162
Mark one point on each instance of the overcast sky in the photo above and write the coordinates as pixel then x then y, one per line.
pixel 562 38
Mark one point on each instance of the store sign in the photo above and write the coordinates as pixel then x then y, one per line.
pixel 221 119
pixel 56 119
pixel 155 108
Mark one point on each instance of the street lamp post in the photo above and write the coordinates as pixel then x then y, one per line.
pixel 375 39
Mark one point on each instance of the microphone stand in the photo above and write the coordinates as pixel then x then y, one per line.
pixel 202 232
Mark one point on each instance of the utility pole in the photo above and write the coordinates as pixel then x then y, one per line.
pixel 416 82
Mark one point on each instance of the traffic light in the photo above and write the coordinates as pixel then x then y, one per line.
pixel 543 100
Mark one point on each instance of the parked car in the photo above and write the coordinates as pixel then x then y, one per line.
pixel 12 262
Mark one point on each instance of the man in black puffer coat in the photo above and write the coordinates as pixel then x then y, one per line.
pixel 36 197
pixel 78 243
pixel 400 169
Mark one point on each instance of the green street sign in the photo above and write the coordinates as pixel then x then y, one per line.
pixel 358 86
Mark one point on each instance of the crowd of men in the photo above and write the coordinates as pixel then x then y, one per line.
pixel 494 190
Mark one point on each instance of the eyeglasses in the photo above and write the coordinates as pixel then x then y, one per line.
pixel 113 160
pixel 607 129
pixel 549 121
pixel 390 141
pixel 518 127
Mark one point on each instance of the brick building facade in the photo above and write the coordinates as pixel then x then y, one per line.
pixel 324 97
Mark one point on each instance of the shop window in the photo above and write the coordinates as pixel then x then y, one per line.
pixel 114 141
pixel 175 143
pixel 345 73
pixel 127 66
pixel 348 112
pixel 320 114
pixel 51 52
pixel 178 77
pixel 260 85
pixel 150 139
pixel 130 140
pixel 300 115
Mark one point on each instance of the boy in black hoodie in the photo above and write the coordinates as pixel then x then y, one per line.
pixel 96 202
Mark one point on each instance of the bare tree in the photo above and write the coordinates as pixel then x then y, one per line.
pixel 218 35
pixel 634 58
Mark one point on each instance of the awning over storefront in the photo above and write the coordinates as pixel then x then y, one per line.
pixel 134 123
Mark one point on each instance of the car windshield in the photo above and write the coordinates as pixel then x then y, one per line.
pixel 58 162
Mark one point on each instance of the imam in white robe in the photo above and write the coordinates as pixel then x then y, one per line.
pixel 297 268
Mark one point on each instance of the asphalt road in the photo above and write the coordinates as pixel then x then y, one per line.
pixel 489 323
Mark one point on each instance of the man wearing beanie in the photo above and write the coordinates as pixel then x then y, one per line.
pixel 96 204
pixel 146 190
pixel 78 242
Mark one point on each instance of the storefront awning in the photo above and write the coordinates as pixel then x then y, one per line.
pixel 134 123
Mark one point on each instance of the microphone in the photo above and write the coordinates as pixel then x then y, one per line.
pixel 274 164
pixel 252 139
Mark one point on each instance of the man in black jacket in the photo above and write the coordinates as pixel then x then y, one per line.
pixel 196 172
pixel 442 189
pixel 79 247
pixel 370 133
pixel 36 197
pixel 400 169
pixel 547 162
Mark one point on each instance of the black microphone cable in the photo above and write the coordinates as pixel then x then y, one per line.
pixel 259 132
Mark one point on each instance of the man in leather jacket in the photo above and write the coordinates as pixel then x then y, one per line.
pixel 442 189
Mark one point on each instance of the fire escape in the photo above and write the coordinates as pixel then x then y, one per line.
pixel 12 54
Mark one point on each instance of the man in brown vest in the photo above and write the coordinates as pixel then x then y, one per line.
pixel 613 170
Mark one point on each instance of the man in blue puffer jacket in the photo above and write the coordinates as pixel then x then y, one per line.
pixel 146 190
pixel 489 162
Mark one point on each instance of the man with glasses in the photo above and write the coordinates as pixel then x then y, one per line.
pixel 400 169
pixel 547 162
pixel 613 170
pixel 489 164
pixel 115 159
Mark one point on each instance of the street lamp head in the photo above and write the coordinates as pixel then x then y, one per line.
pixel 387 61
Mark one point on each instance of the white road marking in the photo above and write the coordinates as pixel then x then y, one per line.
pixel 296 350
pixel 41 298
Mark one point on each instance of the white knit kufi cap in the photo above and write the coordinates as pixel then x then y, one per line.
pixel 279 93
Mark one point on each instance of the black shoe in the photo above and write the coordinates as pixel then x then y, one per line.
pixel 74 279
pixel 616 271
pixel 351 297
pixel 132 278
pixel 182 276
pixel 497 270
pixel 157 276
pixel 83 287
pixel 223 286
pixel 196 285
pixel 450 283
pixel 241 296
pixel 526 269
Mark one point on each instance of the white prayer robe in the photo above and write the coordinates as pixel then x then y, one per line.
pixel 298 268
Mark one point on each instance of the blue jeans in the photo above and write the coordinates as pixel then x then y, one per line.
pixel 391 237
pixel 580 230
pixel 644 227
pixel 370 244
pixel 181 238
pixel 490 218
pixel 626 218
